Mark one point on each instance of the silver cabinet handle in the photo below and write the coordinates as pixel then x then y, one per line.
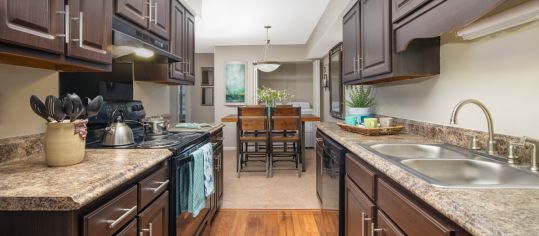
pixel 150 5
pixel 149 230
pixel 155 13
pixel 355 64
pixel 113 223
pixel 374 230
pixel 359 64
pixel 81 38
pixel 66 23
pixel 363 219
pixel 161 186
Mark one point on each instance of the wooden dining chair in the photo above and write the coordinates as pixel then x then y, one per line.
pixel 252 138
pixel 285 127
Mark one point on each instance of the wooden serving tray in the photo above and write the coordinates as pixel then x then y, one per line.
pixel 371 132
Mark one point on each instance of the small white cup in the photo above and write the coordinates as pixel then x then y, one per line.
pixel 386 122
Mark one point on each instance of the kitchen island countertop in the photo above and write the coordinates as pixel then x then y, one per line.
pixel 479 211
pixel 30 185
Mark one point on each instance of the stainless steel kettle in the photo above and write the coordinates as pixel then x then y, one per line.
pixel 118 133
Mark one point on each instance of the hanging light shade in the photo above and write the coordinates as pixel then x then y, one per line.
pixel 263 64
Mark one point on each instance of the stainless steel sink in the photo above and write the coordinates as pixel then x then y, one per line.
pixel 407 151
pixel 449 166
pixel 466 173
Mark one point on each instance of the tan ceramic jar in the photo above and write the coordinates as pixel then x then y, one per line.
pixel 64 146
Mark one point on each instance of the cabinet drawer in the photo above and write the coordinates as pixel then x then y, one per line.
pixel 113 215
pixel 386 227
pixel 152 186
pixel 361 174
pixel 408 215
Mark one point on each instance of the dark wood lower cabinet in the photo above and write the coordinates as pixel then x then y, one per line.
pixel 129 230
pixel 392 211
pixel 153 221
pixel 358 210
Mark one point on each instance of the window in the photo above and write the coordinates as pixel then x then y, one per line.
pixel 206 86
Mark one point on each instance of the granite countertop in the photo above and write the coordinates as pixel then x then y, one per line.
pixel 211 129
pixel 30 185
pixel 479 211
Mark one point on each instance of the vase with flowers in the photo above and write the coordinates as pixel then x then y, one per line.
pixel 270 97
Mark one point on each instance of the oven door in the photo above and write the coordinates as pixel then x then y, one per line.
pixel 184 223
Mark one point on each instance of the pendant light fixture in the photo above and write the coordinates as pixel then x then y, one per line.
pixel 265 65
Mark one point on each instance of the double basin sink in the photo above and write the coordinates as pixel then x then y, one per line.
pixel 448 166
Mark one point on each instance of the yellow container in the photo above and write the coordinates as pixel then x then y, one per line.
pixel 64 146
pixel 371 123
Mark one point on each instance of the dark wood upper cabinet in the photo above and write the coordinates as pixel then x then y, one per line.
pixel 190 47
pixel 154 219
pixel 401 8
pixel 159 24
pixel 33 24
pixel 135 11
pixel 91 30
pixel 177 39
pixel 350 44
pixel 375 37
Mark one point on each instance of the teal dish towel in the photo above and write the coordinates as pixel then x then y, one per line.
pixel 191 125
pixel 209 183
pixel 197 200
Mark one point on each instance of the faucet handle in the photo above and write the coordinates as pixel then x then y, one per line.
pixel 473 142
pixel 511 157
pixel 533 143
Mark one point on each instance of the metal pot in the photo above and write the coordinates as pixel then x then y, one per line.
pixel 156 126
pixel 118 133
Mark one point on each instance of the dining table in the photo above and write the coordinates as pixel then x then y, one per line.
pixel 233 118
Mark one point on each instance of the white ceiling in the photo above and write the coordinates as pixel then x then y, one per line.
pixel 241 22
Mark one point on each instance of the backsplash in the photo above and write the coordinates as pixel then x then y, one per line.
pixel 20 148
pixel 457 136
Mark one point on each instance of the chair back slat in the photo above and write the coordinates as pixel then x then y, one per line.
pixel 286 118
pixel 286 111
pixel 252 111
pixel 253 123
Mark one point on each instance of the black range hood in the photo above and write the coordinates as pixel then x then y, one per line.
pixel 127 38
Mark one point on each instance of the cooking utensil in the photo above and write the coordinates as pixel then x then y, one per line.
pixel 54 106
pixel 118 132
pixel 156 126
pixel 39 108
pixel 73 107
pixel 94 106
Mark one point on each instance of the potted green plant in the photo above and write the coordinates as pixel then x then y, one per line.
pixel 359 100
pixel 270 96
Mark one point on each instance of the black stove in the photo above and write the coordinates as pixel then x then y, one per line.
pixel 134 112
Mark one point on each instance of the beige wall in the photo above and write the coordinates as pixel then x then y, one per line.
pixel 247 54
pixel 18 84
pixel 155 97
pixel 200 113
pixel 296 78
pixel 501 70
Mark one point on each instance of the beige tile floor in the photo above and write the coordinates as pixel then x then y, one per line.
pixel 284 191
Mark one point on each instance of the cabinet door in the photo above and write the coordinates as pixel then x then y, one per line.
pixel 91 30
pixel 350 44
pixel 177 39
pixel 358 210
pixel 401 8
pixel 135 11
pixel 375 37
pixel 34 24
pixel 129 230
pixel 190 43
pixel 386 227
pixel 153 221
pixel 160 18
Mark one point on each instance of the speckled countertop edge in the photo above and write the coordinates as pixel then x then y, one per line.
pixel 29 185
pixel 479 211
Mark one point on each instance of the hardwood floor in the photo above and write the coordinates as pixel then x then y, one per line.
pixel 274 222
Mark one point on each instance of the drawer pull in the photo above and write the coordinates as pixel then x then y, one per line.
pixel 149 230
pixel 128 212
pixel 363 219
pixel 161 186
pixel 374 230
